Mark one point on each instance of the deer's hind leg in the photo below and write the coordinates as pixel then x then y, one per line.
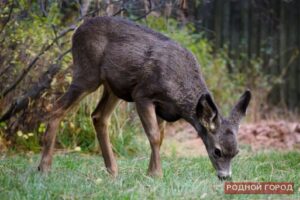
pixel 61 108
pixel 101 117
pixel 162 127
pixel 86 79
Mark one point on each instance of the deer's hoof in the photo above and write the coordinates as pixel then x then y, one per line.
pixel 43 168
pixel 112 172
pixel 155 174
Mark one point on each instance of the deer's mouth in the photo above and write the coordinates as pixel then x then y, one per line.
pixel 224 175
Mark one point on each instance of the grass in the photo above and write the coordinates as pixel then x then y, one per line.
pixel 81 176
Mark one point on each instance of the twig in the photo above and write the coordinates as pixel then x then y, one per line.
pixel 8 18
pixel 55 33
pixel 43 8
pixel 118 12
pixel 4 70
pixel 150 10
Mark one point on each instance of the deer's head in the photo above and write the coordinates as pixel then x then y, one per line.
pixel 220 134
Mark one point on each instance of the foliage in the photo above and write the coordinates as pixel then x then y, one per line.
pixel 27 34
pixel 80 176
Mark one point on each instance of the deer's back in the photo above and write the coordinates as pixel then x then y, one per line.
pixel 136 62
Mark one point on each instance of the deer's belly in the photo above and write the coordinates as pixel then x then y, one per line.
pixel 121 91
pixel 166 112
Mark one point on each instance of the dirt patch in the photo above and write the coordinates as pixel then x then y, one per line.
pixel 280 135
pixel 181 138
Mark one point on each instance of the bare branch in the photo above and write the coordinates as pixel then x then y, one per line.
pixel 43 8
pixel 150 10
pixel 4 70
pixel 32 63
pixel 8 18
pixel 36 90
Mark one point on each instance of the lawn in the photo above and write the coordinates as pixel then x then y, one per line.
pixel 83 176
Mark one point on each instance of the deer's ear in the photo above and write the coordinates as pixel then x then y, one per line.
pixel 207 112
pixel 239 110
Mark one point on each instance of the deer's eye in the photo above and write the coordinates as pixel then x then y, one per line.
pixel 217 153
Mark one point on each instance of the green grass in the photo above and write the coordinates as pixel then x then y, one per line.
pixel 81 176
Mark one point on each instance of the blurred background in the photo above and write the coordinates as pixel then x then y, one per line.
pixel 239 44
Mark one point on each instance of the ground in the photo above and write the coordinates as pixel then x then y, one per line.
pixel 81 176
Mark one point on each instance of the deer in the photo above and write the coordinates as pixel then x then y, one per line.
pixel 136 64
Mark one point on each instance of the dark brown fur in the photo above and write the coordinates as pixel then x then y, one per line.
pixel 137 65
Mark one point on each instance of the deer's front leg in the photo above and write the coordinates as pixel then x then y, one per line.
pixel 146 111
pixel 101 117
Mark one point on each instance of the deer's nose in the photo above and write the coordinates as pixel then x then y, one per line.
pixel 224 175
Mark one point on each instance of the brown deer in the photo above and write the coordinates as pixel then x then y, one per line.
pixel 139 65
